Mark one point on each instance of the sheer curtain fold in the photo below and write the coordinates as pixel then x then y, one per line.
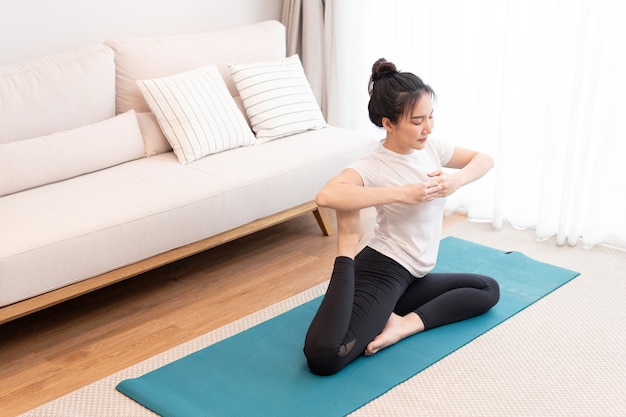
pixel 537 84
pixel 304 24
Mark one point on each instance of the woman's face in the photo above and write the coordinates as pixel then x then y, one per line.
pixel 412 130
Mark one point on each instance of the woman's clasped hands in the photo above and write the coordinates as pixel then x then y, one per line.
pixel 441 185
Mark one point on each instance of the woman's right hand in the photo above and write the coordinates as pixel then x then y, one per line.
pixel 420 192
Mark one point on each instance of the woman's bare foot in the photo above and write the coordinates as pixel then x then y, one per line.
pixel 396 329
pixel 349 232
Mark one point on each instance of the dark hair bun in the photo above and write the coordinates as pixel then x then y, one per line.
pixel 383 69
pixel 393 93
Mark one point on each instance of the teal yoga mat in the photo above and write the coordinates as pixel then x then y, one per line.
pixel 262 371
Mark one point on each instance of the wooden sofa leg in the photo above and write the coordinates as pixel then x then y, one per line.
pixel 323 220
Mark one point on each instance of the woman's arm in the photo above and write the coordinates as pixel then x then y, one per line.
pixel 346 192
pixel 471 166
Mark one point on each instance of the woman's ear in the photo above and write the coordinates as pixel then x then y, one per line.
pixel 387 124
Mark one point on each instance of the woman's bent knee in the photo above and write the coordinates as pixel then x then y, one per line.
pixel 323 361
pixel 493 289
pixel 323 366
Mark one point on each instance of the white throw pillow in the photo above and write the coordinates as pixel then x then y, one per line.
pixel 196 113
pixel 46 159
pixel 277 98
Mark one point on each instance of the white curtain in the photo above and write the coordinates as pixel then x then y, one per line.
pixel 304 24
pixel 538 84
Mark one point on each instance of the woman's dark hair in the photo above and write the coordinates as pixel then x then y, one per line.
pixel 393 93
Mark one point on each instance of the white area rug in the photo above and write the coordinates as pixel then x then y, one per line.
pixel 563 356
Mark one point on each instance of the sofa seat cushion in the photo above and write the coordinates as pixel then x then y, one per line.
pixel 71 230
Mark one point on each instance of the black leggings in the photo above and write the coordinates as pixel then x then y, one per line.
pixel 364 292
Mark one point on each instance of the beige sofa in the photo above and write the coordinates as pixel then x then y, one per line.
pixel 120 157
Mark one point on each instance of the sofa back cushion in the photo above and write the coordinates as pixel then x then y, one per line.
pixel 155 57
pixel 56 93
pixel 154 139
pixel 46 159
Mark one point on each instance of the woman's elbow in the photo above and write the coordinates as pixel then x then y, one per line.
pixel 485 161
pixel 321 199
pixel 490 162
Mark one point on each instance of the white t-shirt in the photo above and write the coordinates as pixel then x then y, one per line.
pixel 407 233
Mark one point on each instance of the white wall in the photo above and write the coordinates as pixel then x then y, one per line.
pixel 32 28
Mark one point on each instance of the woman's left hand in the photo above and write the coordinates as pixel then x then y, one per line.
pixel 447 183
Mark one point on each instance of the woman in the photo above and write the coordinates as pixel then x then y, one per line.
pixel 386 292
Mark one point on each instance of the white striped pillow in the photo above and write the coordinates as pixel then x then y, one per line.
pixel 277 98
pixel 196 113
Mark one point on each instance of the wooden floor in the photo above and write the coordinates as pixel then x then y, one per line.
pixel 58 350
